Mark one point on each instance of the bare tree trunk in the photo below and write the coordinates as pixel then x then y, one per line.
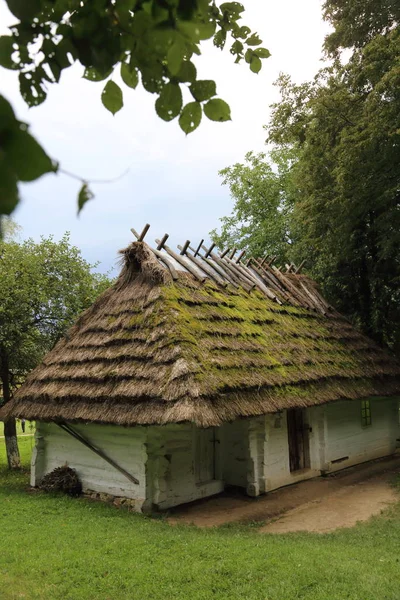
pixel 10 428
pixel 12 450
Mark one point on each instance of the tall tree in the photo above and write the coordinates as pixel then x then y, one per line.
pixel 152 41
pixel 344 131
pixel 263 196
pixel 356 22
pixel 346 125
pixel 44 286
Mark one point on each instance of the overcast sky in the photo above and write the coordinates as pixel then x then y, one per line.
pixel 173 181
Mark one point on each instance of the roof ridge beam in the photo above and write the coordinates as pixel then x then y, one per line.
pixel 185 264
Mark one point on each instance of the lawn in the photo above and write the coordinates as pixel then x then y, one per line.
pixel 54 548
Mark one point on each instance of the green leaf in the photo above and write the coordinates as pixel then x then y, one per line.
pixel 249 55
pixel 92 74
pixel 255 64
pixel 220 39
pixel 203 90
pixel 55 70
pixel 169 102
pixel 253 40
pixel 187 72
pixel 9 197
pixel 233 8
pixel 85 194
pixel 262 52
pixel 7 116
pixel 237 47
pixel 175 55
pixel 217 110
pixel 243 32
pixel 152 78
pixel 129 75
pixel 24 10
pixel 65 51
pixel 111 97
pixel 26 156
pixel 32 91
pixel 6 50
pixel 197 30
pixel 190 117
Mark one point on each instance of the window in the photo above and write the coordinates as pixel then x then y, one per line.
pixel 365 413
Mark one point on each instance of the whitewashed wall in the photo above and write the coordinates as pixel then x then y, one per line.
pixel 346 437
pixel 276 463
pixel 55 447
pixel 254 453
pixel 234 452
pixel 250 453
pixel 172 477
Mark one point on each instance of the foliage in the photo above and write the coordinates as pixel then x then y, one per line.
pixel 357 22
pixel 152 41
pixel 44 286
pixel 263 196
pixel 343 129
pixel 347 217
pixel 21 157
pixel 59 548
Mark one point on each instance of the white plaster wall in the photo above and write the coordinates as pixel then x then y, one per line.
pixel 347 437
pixel 276 461
pixel 234 452
pixel 55 447
pixel 171 473
pixel 336 432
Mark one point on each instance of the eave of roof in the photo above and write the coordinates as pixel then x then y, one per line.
pixel 163 345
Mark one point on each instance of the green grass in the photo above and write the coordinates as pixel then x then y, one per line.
pixel 58 548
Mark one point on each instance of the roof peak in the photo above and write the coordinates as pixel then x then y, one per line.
pixel 162 265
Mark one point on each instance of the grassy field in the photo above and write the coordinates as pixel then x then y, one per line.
pixel 54 548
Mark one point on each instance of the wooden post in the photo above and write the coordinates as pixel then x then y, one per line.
pixel 185 247
pixel 145 230
pixel 162 242
pixel 198 248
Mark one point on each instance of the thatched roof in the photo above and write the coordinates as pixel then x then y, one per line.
pixel 173 343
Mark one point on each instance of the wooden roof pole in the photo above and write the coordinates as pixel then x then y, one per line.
pixel 159 255
pixel 78 436
pixel 186 265
pixel 231 272
pixel 213 265
pixel 204 267
pixel 143 234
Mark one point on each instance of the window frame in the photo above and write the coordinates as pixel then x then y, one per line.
pixel 366 414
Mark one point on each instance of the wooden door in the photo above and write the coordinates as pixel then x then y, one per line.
pixel 298 438
pixel 204 454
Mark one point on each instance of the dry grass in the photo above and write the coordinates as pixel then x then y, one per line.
pixel 157 350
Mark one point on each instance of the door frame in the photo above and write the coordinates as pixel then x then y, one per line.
pixel 298 434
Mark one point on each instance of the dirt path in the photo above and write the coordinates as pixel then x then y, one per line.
pixel 318 505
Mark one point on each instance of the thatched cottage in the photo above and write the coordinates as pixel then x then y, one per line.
pixel 197 371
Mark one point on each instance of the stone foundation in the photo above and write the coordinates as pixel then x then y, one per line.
pixel 134 505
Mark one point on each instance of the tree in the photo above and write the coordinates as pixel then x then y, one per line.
pixel 357 22
pixel 44 286
pixel 155 41
pixel 263 196
pixel 344 131
pixel 347 218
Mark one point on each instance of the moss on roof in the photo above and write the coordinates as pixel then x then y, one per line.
pixel 152 350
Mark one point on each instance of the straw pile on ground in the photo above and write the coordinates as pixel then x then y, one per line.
pixel 153 350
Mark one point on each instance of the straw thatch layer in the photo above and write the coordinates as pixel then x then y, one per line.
pixel 152 351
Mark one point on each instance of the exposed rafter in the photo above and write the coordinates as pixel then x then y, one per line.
pixel 224 269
